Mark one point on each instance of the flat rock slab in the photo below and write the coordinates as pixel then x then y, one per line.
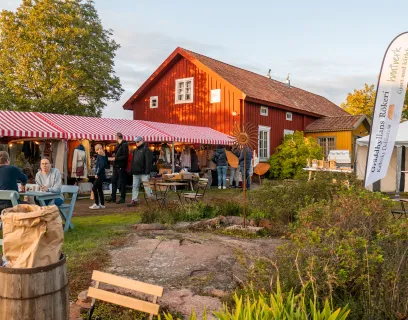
pixel 189 265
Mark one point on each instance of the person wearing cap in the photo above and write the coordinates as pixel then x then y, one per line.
pixel 140 169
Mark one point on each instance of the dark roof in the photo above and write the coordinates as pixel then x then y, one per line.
pixel 344 123
pixel 262 88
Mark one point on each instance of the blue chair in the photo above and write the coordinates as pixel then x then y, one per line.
pixel 11 195
pixel 66 210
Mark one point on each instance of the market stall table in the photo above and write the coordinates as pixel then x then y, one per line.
pixel 326 170
pixel 168 186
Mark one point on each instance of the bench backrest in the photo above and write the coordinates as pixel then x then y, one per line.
pixel 124 301
pixel 10 195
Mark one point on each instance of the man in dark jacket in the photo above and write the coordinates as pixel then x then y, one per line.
pixel 9 176
pixel 140 169
pixel 119 169
pixel 220 159
pixel 248 163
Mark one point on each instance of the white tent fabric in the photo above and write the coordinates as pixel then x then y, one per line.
pixel 401 140
pixel 388 183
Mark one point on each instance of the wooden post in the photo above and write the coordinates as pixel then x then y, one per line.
pixel 245 188
pixel 66 162
pixel 173 165
pixel 398 171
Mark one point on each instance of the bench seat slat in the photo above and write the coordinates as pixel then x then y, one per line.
pixel 127 283
pixel 123 301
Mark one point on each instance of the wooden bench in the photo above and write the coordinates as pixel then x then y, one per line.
pixel 98 294
pixel 403 212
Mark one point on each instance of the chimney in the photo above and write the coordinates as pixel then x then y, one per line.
pixel 288 80
pixel 269 74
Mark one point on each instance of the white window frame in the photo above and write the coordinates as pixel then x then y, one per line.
pixel 289 116
pixel 183 92
pixel 151 102
pixel 264 129
pixel 288 131
pixel 263 109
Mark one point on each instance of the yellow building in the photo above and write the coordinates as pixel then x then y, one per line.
pixel 338 133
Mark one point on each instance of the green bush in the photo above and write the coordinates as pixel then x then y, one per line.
pixel 275 306
pixel 353 251
pixel 291 156
pixel 190 212
pixel 280 201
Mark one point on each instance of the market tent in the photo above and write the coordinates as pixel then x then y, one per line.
pixel 391 182
pixel 27 125
pixel 191 134
pixel 104 129
pixel 134 128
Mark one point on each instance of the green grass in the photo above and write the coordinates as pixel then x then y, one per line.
pixel 86 247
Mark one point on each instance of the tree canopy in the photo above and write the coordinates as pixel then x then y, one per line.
pixel 362 102
pixel 56 57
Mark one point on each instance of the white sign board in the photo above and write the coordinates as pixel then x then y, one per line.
pixel 216 96
pixel 391 89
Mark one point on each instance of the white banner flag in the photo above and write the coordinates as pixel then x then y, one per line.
pixel 392 85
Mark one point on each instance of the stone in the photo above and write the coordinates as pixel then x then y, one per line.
pixel 234 220
pixel 252 223
pixel 248 229
pixel 74 312
pixel 219 293
pixel 266 224
pixel 83 296
pixel 83 305
pixel 150 226
pixel 181 225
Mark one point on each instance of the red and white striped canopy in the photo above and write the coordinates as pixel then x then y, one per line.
pixel 134 128
pixel 191 134
pixel 27 125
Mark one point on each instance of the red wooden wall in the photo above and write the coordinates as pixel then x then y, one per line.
pixel 276 120
pixel 199 113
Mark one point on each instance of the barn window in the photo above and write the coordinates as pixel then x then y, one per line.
pixel 154 102
pixel 264 111
pixel 289 116
pixel 263 143
pixel 184 90
pixel 327 144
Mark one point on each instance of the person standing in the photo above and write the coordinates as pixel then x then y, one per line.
pixel 49 179
pixel 234 172
pixel 119 169
pixel 220 159
pixel 142 163
pixel 100 176
pixel 248 163
pixel 9 176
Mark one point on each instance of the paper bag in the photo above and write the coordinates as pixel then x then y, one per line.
pixel 32 236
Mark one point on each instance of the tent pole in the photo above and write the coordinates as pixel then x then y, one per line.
pixel 172 157
pixel 398 171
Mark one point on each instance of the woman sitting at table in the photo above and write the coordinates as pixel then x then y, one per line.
pixel 49 179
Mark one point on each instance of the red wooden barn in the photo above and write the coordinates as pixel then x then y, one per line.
pixel 192 89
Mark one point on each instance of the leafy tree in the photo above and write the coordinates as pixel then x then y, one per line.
pixel 362 102
pixel 56 57
pixel 291 156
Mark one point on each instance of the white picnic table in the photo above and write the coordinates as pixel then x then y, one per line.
pixel 311 170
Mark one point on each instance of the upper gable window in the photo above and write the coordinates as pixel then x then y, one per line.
pixel 289 116
pixel 154 102
pixel 185 90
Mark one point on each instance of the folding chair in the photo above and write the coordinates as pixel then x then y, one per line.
pixel 12 196
pixel 67 210
pixel 156 194
pixel 121 300
pixel 202 184
pixel 403 212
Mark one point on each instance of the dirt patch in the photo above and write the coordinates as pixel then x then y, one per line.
pixel 190 266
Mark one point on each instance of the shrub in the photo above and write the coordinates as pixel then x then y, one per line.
pixel 280 201
pixel 353 251
pixel 275 306
pixel 291 156
pixel 190 212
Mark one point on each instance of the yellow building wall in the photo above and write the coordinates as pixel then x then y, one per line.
pixel 344 139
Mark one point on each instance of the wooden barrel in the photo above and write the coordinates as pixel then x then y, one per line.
pixel 35 293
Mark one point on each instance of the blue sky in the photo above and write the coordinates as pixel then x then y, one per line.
pixel 328 47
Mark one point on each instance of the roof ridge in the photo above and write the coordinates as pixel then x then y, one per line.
pixel 260 75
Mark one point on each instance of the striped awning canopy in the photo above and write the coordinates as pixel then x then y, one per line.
pixel 191 134
pixel 134 128
pixel 27 125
